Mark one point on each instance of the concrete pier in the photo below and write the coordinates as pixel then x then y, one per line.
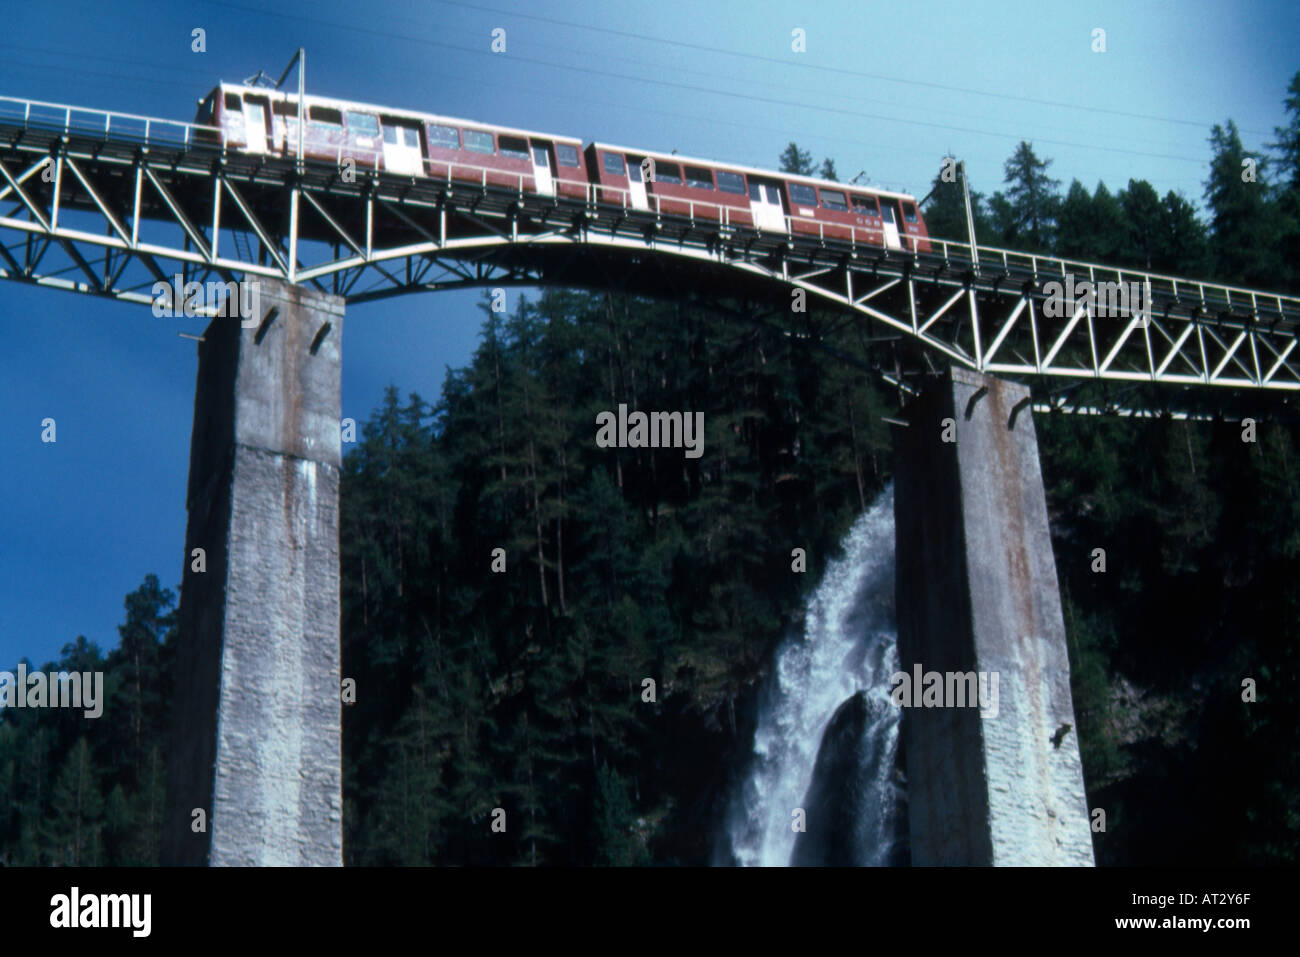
pixel 256 740
pixel 977 592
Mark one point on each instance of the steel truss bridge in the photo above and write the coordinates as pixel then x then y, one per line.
pixel 109 204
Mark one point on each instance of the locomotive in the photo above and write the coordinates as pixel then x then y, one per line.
pixel 259 120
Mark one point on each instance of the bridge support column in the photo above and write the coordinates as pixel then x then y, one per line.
pixel 977 592
pixel 256 719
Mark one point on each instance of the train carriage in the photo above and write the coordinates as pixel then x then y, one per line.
pixel 836 211
pixel 257 120
pixel 674 185
pixel 743 196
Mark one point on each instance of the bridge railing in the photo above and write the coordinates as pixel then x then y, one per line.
pixel 1041 270
pixel 63 118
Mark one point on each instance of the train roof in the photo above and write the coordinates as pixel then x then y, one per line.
pixel 754 171
pixel 404 114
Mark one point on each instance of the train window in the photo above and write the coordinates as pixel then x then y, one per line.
pixel 909 212
pixel 668 173
pixel 633 169
pixel 834 199
pixel 865 206
pixel 395 135
pixel 363 124
pixel 285 108
pixel 446 137
pixel 232 102
pixel 613 164
pixel 514 147
pixel 324 115
pixel 479 142
pixel 731 182
pixel 699 177
pixel 566 155
pixel 756 191
pixel 802 195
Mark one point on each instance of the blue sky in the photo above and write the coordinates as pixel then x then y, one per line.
pixel 887 88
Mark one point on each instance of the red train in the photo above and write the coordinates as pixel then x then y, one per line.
pixel 258 120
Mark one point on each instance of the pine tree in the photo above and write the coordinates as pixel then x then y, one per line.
pixel 1243 233
pixel 618 844
pixel 72 832
pixel 1184 248
pixel 1145 244
pixel 796 161
pixel 1110 228
pixel 1075 225
pixel 148 623
pixel 1287 148
pixel 1026 213
pixel 119 828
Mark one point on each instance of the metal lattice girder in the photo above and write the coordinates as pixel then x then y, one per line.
pixel 88 208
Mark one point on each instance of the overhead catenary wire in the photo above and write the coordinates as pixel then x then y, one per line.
pixel 877 145
pixel 626 34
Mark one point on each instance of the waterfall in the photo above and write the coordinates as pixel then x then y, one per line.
pixel 837 666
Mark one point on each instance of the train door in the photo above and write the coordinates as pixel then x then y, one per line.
pixel 542 169
pixel 888 213
pixel 255 110
pixel 636 184
pixel 765 206
pixel 402 148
